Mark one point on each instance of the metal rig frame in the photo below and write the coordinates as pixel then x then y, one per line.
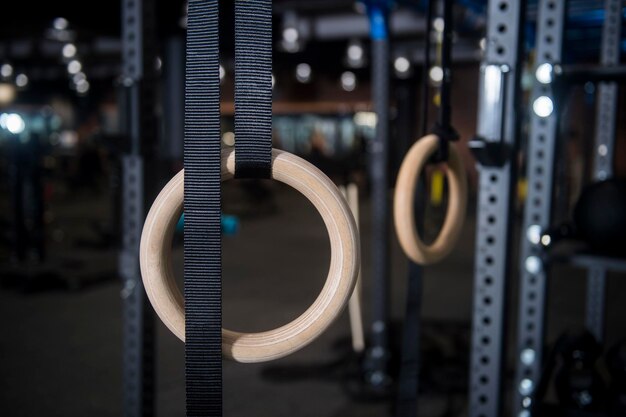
pixel 495 147
pixel 538 206
pixel 604 149
pixel 537 212
pixel 140 126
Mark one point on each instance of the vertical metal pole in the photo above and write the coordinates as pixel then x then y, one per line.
pixel 378 355
pixel 596 293
pixel 139 76
pixel 408 378
pixel 537 210
pixel 174 98
pixel 497 122
pixel 603 152
pixel 607 92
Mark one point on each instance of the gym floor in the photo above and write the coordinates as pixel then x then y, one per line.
pixel 61 353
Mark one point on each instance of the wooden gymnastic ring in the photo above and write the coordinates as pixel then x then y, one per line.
pixel 404 212
pixel 166 298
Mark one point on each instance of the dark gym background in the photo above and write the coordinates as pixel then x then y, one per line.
pixel 61 297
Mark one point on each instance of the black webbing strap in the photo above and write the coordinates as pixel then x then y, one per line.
pixel 253 88
pixel 425 93
pixel 203 251
pixel 443 127
pixel 408 379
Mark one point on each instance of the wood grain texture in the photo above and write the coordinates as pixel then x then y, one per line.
pixel 404 196
pixel 167 300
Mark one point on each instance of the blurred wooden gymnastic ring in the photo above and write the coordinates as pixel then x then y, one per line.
pixel 166 298
pixel 404 212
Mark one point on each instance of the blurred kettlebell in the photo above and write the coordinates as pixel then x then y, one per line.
pixel 600 215
pixel 578 384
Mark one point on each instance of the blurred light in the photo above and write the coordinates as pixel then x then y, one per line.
pixel 14 123
pixel 365 118
pixel 546 240
pixel 79 77
pixel 228 138
pixel 528 356
pixel 273 81
pixel 68 139
pixel 21 80
pixel 3 120
pixel 355 54
pixel 291 35
pixel 482 44
pixel 222 72
pixel 439 24
pixel 6 70
pixel 158 63
pixel 74 66
pixel 303 73
pixel 7 93
pixel 69 50
pixel 494 81
pixel 533 234
pixel 82 87
pixel 291 40
pixel 543 106
pixel 55 122
pixel 436 74
pixel 60 23
pixel 544 73
pixel 526 386
pixel 37 124
pixel 348 81
pixel 533 265
pixel 402 65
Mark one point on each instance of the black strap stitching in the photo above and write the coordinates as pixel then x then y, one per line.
pixel 203 264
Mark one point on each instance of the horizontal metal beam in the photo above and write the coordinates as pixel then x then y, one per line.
pixel 25 48
pixel 585 73
pixel 350 25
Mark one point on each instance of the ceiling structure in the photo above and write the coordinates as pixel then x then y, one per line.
pixel 30 44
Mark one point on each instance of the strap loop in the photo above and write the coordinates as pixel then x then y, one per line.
pixel 253 88
pixel 443 128
pixel 445 135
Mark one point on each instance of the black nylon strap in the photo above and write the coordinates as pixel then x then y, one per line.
pixel 410 364
pixel 408 379
pixel 443 128
pixel 253 88
pixel 203 263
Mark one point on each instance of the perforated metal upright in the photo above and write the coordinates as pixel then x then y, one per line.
pixel 138 109
pixel 498 130
pixel 606 106
pixel 540 158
